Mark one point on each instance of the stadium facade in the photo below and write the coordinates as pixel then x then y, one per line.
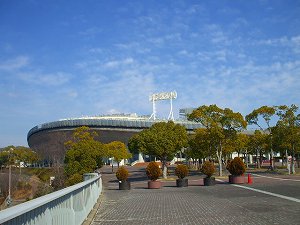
pixel 48 139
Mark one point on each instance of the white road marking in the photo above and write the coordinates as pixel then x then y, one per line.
pixel 275 178
pixel 265 192
pixel 269 193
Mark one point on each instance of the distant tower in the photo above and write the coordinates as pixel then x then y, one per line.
pixel 162 96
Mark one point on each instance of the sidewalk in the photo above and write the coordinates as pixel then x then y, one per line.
pixel 196 204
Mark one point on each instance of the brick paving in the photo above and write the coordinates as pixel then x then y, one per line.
pixel 196 204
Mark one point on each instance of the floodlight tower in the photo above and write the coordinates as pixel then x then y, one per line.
pixel 162 96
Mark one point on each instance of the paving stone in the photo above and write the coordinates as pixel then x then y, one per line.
pixel 219 204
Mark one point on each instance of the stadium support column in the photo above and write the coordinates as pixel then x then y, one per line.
pixel 141 159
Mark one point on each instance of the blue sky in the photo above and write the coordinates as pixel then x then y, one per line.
pixel 61 59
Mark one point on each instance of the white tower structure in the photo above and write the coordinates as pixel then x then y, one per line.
pixel 162 96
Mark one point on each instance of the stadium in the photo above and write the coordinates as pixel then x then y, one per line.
pixel 48 139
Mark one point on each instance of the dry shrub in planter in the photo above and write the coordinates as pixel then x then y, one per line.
pixel 208 168
pixel 236 168
pixel 181 172
pixel 153 173
pixel 122 175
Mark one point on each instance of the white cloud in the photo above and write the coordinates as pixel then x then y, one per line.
pixel 96 50
pixel 14 64
pixel 117 63
pixel 72 94
pixel 90 32
pixel 38 78
pixel 113 111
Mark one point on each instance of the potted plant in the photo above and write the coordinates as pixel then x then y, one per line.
pixel 153 173
pixel 208 168
pixel 181 172
pixel 236 168
pixel 122 175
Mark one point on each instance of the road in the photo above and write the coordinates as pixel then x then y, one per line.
pixel 220 204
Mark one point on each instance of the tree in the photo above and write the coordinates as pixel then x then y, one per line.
pixel 26 155
pixel 4 157
pixel 84 154
pixel 15 155
pixel 221 124
pixel 199 145
pixel 163 140
pixel 289 124
pixel 266 113
pixel 240 143
pixel 257 145
pixel 118 151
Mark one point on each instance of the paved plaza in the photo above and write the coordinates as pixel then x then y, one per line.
pixel 220 204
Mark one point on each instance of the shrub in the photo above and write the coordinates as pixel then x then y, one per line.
pixel 122 174
pixel 153 171
pixel 181 171
pixel 208 168
pixel 74 179
pixel 42 189
pixel 236 166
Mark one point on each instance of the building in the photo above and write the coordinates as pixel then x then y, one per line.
pixel 48 139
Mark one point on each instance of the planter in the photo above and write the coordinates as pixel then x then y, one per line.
pixel 233 179
pixel 154 184
pixel 209 181
pixel 182 182
pixel 124 185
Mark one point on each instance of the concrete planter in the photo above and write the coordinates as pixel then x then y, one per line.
pixel 154 184
pixel 124 185
pixel 209 181
pixel 234 179
pixel 182 182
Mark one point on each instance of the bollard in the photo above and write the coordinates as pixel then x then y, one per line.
pixel 249 178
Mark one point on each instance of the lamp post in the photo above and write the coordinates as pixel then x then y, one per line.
pixel 9 200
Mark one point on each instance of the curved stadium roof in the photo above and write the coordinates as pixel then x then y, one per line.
pixel 112 121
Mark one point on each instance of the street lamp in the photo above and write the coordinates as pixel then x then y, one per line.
pixel 9 200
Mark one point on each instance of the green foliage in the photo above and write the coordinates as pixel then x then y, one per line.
pixel 4 156
pixel 222 126
pixel 16 155
pixel 84 154
pixel 236 166
pixel 118 151
pixel 265 112
pixel 42 189
pixel 181 171
pixel 136 143
pixel 208 168
pixel 162 140
pixel 122 174
pixel 287 130
pixel 199 144
pixel 153 171
pixel 44 175
pixel 240 142
pixel 23 185
pixel 74 179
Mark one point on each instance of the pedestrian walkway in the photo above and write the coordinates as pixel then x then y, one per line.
pixel 196 204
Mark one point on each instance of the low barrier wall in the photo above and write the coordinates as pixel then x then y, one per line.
pixel 70 205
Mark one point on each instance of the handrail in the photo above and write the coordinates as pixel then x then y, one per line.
pixel 70 205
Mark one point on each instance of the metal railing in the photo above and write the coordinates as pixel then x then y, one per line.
pixel 70 205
